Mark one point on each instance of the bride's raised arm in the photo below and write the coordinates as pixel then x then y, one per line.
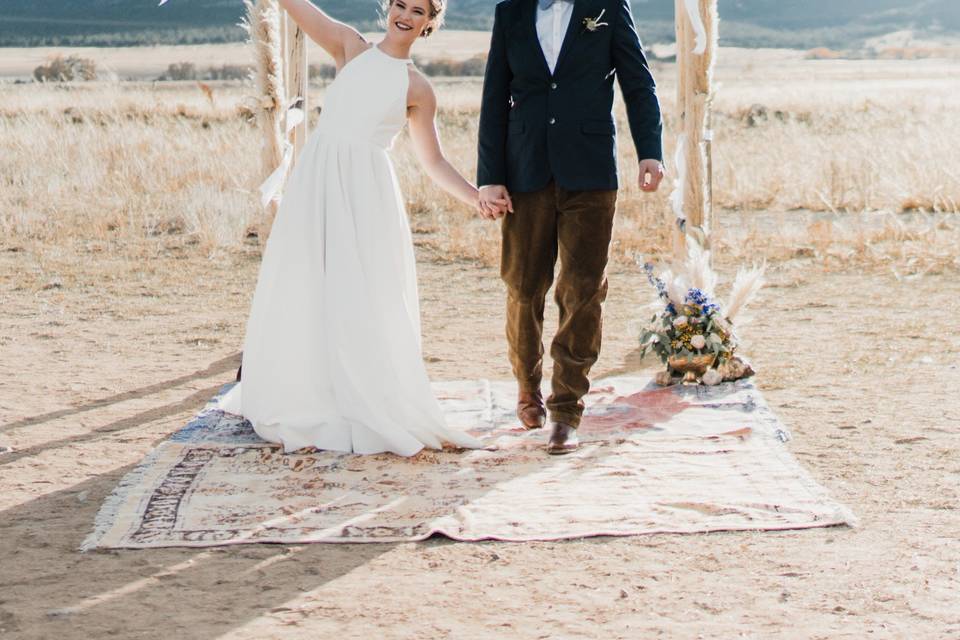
pixel 334 36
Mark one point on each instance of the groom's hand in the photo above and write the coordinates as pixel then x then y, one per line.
pixel 651 173
pixel 495 201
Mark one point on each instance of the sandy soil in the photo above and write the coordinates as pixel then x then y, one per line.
pixel 107 350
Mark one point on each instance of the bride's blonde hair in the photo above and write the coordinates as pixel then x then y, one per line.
pixel 437 10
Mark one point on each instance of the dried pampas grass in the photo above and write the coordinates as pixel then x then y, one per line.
pixel 263 25
pixel 698 270
pixel 745 287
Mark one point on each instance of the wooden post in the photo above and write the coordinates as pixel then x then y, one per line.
pixel 694 93
pixel 266 32
pixel 296 64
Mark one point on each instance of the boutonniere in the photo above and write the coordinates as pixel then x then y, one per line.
pixel 592 24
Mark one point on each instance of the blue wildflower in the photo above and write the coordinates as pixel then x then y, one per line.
pixel 655 281
pixel 697 297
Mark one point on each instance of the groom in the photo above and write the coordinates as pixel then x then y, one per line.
pixel 548 166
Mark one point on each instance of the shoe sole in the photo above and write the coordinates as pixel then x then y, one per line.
pixel 563 451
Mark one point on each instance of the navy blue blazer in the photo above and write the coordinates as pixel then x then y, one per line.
pixel 535 125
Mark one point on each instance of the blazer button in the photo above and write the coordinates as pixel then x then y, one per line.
pixel 553 121
pixel 553 85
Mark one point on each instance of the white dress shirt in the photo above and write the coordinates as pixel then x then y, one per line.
pixel 552 26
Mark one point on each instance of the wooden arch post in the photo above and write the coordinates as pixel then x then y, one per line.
pixel 280 81
pixel 297 76
pixel 696 26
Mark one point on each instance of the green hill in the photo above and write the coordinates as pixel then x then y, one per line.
pixel 792 23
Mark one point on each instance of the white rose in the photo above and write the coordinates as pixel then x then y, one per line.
pixel 679 321
pixel 712 377
pixel 698 341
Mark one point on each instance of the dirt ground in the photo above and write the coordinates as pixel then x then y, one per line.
pixel 107 350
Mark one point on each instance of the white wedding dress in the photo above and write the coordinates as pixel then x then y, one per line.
pixel 332 356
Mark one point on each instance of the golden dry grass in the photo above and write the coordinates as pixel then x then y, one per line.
pixel 128 163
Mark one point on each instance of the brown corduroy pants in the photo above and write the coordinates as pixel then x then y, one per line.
pixel 575 226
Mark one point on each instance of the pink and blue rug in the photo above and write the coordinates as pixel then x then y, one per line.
pixel 681 459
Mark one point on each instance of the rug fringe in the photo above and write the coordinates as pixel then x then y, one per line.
pixel 108 514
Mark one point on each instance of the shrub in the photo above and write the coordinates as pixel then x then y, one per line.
pixel 474 66
pixel 229 72
pixel 180 71
pixel 66 69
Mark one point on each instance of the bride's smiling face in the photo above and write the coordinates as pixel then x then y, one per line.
pixel 409 19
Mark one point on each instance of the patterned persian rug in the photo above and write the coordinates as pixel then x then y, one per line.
pixel 678 459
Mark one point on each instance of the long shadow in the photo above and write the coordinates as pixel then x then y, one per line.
pixel 193 402
pixel 193 593
pixel 220 366
pixel 49 590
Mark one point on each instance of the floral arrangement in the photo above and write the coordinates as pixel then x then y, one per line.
pixel 694 333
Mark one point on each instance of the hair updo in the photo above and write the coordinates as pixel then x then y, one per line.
pixel 437 10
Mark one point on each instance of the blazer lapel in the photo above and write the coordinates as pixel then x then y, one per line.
pixel 581 9
pixel 529 31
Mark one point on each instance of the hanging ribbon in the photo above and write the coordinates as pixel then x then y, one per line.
pixel 273 185
pixel 270 189
pixel 680 162
pixel 294 117
pixel 693 10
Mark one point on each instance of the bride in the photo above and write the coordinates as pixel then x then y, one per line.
pixel 332 353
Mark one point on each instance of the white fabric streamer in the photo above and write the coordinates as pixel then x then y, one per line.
pixel 294 118
pixel 271 187
pixel 680 162
pixel 693 10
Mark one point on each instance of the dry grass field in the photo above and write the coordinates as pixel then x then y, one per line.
pixel 807 137
pixel 126 270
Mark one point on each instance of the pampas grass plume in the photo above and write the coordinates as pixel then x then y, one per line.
pixel 698 269
pixel 745 288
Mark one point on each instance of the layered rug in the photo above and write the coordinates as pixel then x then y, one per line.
pixel 679 459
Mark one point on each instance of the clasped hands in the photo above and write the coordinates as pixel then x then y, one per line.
pixel 494 201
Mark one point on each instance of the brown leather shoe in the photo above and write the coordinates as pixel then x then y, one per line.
pixel 563 439
pixel 530 410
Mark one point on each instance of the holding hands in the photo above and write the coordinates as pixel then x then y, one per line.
pixel 494 202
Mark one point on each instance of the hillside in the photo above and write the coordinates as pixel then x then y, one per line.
pixel 789 23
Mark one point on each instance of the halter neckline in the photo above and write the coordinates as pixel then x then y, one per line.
pixel 406 60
